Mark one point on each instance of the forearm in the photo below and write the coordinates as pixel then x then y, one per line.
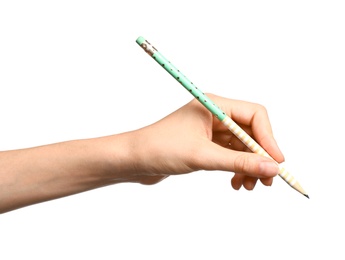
pixel 34 175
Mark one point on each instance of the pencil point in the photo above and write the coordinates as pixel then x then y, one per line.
pixel 306 195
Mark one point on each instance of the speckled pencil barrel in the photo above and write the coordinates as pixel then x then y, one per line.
pixel 216 111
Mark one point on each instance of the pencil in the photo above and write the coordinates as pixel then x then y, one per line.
pixel 216 111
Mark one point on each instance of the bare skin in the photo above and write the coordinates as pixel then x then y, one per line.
pixel 187 140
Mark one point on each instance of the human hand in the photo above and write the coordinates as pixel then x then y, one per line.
pixel 187 140
pixel 192 139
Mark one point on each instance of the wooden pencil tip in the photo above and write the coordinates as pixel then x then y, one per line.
pixel 306 195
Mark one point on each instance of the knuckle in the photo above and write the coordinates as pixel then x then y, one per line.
pixel 241 164
pixel 263 110
pixel 260 108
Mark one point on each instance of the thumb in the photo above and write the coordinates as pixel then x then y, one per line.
pixel 247 163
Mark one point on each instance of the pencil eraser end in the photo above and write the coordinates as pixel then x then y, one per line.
pixel 140 40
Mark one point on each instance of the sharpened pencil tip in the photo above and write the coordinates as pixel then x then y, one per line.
pixel 306 195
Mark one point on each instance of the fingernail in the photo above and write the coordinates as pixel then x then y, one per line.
pixel 269 169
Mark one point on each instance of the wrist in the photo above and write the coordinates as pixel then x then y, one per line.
pixel 134 158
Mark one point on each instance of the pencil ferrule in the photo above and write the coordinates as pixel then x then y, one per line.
pixel 148 48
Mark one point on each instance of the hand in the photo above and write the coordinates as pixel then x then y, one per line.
pixel 192 139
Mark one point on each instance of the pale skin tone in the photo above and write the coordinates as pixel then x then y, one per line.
pixel 187 140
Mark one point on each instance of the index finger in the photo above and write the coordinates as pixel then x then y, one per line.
pixel 256 117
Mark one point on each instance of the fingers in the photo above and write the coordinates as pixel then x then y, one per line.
pixel 240 180
pixel 226 152
pixel 258 120
pixel 249 167
pixel 255 118
pixel 268 168
pixel 248 182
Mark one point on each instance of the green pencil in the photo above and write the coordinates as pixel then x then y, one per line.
pixel 216 111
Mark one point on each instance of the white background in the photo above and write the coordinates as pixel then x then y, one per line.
pixel 72 70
